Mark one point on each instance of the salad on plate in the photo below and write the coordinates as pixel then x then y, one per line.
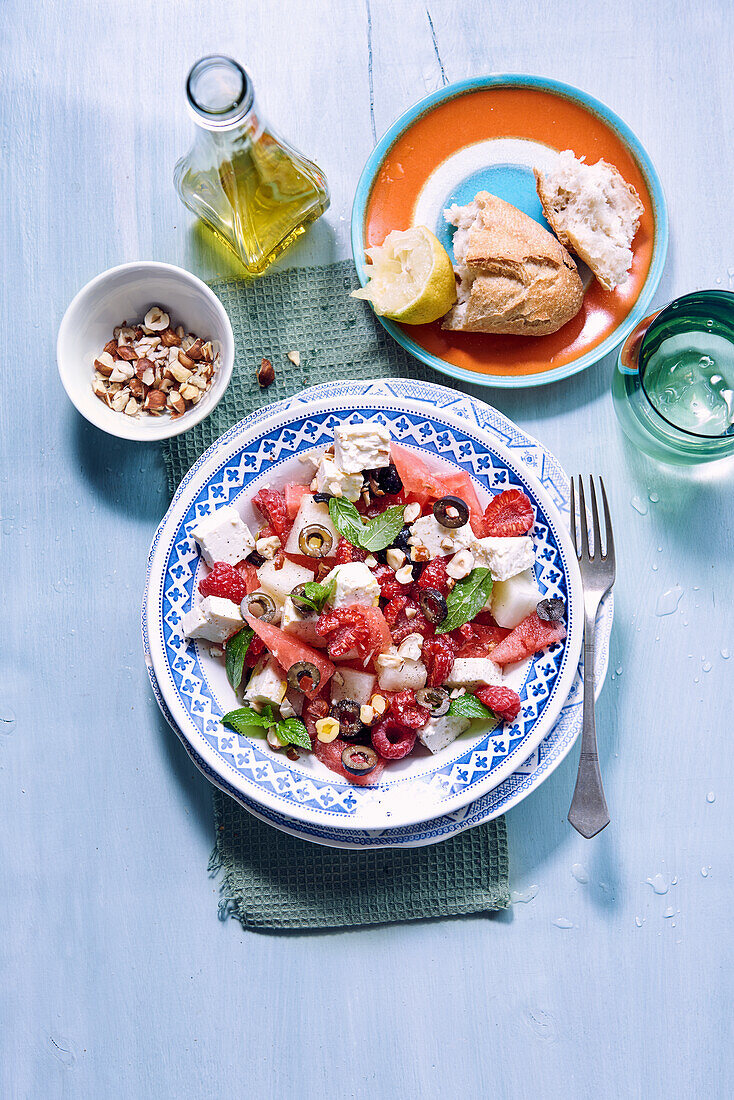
pixel 377 607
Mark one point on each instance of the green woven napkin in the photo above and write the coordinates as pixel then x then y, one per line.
pixel 271 880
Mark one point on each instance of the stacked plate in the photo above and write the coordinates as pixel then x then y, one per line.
pixel 422 799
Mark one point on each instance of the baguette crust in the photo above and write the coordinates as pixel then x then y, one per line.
pixel 547 196
pixel 523 281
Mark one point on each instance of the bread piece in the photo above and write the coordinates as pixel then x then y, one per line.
pixel 594 211
pixel 514 276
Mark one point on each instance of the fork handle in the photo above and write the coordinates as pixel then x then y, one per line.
pixel 588 813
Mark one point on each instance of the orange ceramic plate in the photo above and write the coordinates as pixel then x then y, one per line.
pixel 488 134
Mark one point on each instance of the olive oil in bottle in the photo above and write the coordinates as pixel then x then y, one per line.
pixel 256 192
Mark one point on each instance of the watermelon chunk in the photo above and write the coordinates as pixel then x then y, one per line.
pixel 287 651
pixel 425 483
pixel 331 755
pixel 249 573
pixel 531 635
pixel 293 496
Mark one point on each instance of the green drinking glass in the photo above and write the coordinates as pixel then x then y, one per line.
pixel 673 386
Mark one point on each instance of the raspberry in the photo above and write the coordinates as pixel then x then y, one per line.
pixel 503 701
pixel 393 609
pixel 378 505
pixel 224 581
pixel 438 657
pixel 389 587
pixel 392 740
pixel 272 505
pixel 346 553
pixel 345 629
pixel 509 514
pixel 255 651
pixel 435 576
pixel 405 709
pixel 404 626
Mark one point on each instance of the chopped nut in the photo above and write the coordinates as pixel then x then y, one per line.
pixel 395 558
pixel 156 320
pixel 104 363
pixel 119 401
pixel 198 381
pixel 121 372
pixel 111 348
pixel 419 553
pixel 371 562
pixel 176 402
pixel 132 407
pixel 194 352
pixel 366 714
pixel 447 543
pixel 411 513
pixel 410 647
pixel 378 704
pixel 136 387
pixel 184 360
pixel 295 357
pixel 148 377
pixel 189 393
pixel 169 339
pixel 126 352
pixel 142 366
pixel 155 402
pixel 100 387
pixel 268 547
pixel 178 372
pixel 327 730
pixel 266 373
pixel 404 575
pixel 461 565
pixel 410 612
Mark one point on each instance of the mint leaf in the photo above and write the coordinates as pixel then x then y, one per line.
pixel 375 535
pixel 244 718
pixel 234 655
pixel 293 732
pixel 468 706
pixel 383 529
pixel 466 599
pixel 346 519
pixel 316 595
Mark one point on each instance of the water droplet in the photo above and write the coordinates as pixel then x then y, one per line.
pixel 668 601
pixel 578 871
pixel 658 884
pixel 674 880
pixel 619 670
pixel 706 666
pixel 562 922
pixel 711 797
pixel 725 654
pixel 696 680
pixel 704 872
pixel 653 496
pixel 654 567
pixel 521 897
pixel 639 505
pixel 669 912
pixel 7 720
pixel 660 549
pixel 639 921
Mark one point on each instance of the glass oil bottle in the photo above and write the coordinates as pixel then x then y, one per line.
pixel 256 192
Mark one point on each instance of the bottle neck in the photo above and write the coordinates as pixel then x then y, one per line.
pixel 221 96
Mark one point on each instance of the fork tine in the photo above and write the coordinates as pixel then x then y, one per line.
pixel 585 551
pixel 607 524
pixel 595 518
pixel 573 515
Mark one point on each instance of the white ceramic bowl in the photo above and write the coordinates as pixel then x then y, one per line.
pixel 126 293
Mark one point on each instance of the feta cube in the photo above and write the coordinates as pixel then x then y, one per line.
pixel 472 672
pixel 513 600
pixel 505 557
pixel 438 540
pixel 214 619
pixel 267 684
pixel 354 584
pixel 438 733
pixel 350 683
pixel 330 479
pixel 223 536
pixel 300 626
pixel 359 447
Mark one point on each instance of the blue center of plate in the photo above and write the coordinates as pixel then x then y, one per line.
pixel 515 183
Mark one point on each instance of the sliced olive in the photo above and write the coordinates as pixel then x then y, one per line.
pixel 260 606
pixel 359 759
pixel 255 559
pixel 315 541
pixel 346 712
pixel 321 498
pixel 301 601
pixel 301 672
pixel 400 542
pixel 551 611
pixel 451 511
pixel 433 605
pixel 387 480
pixel 435 700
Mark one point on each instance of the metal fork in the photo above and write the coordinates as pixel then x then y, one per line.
pixel 589 813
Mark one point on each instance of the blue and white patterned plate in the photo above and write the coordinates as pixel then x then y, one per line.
pixel 444 791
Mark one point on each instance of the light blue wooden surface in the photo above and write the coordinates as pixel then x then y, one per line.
pixel 116 979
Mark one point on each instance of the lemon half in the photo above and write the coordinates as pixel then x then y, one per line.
pixel 411 277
